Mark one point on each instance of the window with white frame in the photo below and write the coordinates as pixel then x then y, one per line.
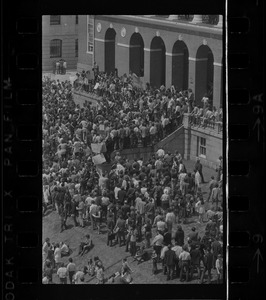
pixel 90 33
pixel 202 147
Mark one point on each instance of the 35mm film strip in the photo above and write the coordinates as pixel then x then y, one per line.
pixel 22 169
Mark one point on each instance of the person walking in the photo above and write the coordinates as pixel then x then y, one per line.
pixel 170 219
pixel 184 259
pixel 71 269
pixel 208 263
pixel 179 236
pixel 177 249
pixel 195 254
pixel 169 259
pixel 157 244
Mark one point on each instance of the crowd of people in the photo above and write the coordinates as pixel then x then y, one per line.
pixel 139 202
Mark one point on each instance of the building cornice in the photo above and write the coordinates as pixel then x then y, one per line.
pixel 207 31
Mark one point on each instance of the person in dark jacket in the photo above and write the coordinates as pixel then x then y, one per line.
pixel 195 255
pixel 121 195
pixel 74 212
pixel 179 236
pixel 198 167
pixel 193 235
pixel 169 260
pixel 208 263
pixel 110 227
pixel 167 237
pixel 120 228
pixel 63 218
pixel 216 249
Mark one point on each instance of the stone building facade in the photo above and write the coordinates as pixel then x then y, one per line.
pixel 161 50
pixel 59 40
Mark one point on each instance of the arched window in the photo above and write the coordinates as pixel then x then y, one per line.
pixel 56 48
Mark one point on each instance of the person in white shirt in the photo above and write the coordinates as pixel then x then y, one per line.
pixel 170 219
pixel 219 268
pixel 157 244
pixel 178 250
pixel 197 181
pixel 160 153
pixel 57 255
pixel 79 277
pixel 62 273
pixel 64 249
pixel 45 249
pixel 93 211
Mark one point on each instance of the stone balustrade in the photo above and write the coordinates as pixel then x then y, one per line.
pixel 216 20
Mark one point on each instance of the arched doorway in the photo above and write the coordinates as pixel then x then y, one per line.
pixel 136 54
pixel 180 65
pixel 109 50
pixel 204 73
pixel 157 62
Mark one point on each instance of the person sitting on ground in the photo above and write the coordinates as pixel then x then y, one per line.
pixel 126 271
pixel 64 249
pixel 141 254
pixel 86 245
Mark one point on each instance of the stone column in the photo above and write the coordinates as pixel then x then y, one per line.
pixel 220 23
pixel 99 56
pixel 187 137
pixel 173 17
pixel 217 84
pixel 122 58
pixel 147 61
pixel 192 74
pixel 168 70
pixel 197 19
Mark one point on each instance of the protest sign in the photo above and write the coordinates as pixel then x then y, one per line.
pixel 87 151
pixel 98 159
pixel 101 127
pixel 96 147
pixel 136 81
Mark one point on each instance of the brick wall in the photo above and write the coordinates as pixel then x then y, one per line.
pixel 67 31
